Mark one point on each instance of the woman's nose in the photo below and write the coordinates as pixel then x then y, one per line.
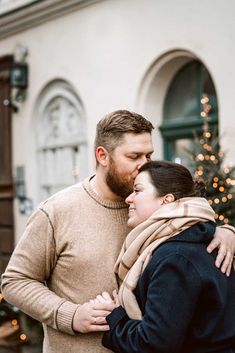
pixel 129 199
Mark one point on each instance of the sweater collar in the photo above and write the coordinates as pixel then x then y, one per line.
pixel 108 204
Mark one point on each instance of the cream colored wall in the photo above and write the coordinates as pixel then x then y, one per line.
pixel 105 51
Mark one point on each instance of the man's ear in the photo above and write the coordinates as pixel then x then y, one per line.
pixel 102 155
pixel 168 198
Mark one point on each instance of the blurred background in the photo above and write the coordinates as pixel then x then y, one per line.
pixel 64 64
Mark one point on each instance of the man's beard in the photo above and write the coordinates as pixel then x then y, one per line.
pixel 116 183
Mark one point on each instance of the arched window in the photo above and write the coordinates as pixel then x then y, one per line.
pixel 182 108
pixel 61 138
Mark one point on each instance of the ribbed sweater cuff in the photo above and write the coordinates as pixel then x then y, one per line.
pixel 64 319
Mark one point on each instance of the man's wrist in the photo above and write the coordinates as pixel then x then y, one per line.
pixel 229 227
pixel 64 317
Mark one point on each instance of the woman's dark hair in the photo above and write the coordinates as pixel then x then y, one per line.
pixel 173 178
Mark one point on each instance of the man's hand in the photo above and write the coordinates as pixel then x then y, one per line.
pixel 224 240
pixel 90 317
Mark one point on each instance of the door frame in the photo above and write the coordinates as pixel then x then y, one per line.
pixel 6 177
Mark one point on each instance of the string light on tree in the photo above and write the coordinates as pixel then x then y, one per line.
pixel 16 326
pixel 208 161
pixel 10 322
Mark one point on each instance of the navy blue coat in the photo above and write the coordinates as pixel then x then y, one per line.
pixel 188 305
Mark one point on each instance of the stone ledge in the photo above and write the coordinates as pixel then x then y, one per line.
pixel 36 13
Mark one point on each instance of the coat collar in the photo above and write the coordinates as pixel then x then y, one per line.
pixel 200 232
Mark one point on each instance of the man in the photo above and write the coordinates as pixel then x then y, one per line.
pixel 69 247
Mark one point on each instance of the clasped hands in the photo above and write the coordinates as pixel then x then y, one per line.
pixel 91 316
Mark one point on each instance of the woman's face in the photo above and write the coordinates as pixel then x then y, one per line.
pixel 143 202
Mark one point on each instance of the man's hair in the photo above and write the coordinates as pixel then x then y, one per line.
pixel 111 129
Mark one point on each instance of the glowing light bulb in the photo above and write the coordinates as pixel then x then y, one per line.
pixel 23 337
pixel 14 322
pixel 207 134
pixel 200 157
pixel 204 99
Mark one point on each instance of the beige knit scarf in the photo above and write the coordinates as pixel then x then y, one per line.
pixel 168 221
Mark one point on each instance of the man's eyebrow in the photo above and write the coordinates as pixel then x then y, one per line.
pixel 139 152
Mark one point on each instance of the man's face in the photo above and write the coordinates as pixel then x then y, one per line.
pixel 125 161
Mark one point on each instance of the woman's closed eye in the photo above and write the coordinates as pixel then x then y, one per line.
pixel 136 191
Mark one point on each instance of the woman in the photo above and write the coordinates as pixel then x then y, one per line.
pixel 173 298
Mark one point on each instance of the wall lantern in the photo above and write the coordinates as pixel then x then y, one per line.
pixel 25 204
pixel 19 75
pixel 18 79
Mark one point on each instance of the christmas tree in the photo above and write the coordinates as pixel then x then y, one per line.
pixel 11 334
pixel 16 328
pixel 209 165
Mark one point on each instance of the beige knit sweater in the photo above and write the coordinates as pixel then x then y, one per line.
pixel 66 257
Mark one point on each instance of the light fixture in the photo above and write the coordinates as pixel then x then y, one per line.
pixel 19 75
pixel 25 204
pixel 19 81
pixel 18 78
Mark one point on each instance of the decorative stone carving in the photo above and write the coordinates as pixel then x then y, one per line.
pixel 61 135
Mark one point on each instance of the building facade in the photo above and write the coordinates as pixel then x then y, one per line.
pixel 86 58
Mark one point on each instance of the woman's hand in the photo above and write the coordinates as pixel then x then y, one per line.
pixel 224 240
pixel 106 300
pixel 115 298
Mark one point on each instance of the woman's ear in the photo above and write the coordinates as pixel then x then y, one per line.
pixel 102 156
pixel 168 198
